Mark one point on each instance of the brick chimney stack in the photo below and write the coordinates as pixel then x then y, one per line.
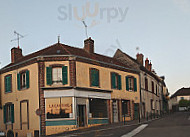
pixel 147 64
pixel 140 58
pixel 16 54
pixel 150 66
pixel 89 45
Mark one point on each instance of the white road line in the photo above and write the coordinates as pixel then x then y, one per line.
pixel 135 131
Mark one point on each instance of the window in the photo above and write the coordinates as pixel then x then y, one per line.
pixel 23 80
pixel 98 108
pixel 8 83
pixel 94 77
pixel 115 81
pixel 125 109
pixel 57 108
pixel 131 83
pixel 152 104
pixel 182 98
pixel 146 84
pixel 56 74
pixel 152 86
pixel 8 113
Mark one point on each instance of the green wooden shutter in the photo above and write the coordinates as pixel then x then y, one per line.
pixel 18 81
pixel 8 84
pixel 64 75
pixel 97 78
pixel 113 81
pixel 119 82
pixel 12 113
pixel 135 84
pixel 27 79
pixel 127 83
pixel 49 75
pixel 5 113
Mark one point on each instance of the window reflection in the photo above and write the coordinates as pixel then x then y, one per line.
pixel 59 108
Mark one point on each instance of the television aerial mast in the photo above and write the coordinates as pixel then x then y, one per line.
pixel 85 28
pixel 19 36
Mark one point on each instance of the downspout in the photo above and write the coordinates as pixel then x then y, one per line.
pixel 140 105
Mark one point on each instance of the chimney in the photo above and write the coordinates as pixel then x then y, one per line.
pixel 150 66
pixel 16 54
pixel 140 58
pixel 147 64
pixel 89 45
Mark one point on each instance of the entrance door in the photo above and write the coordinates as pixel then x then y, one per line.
pixel 136 111
pixel 81 115
pixel 115 111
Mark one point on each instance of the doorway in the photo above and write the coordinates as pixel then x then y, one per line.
pixel 136 111
pixel 115 111
pixel 81 115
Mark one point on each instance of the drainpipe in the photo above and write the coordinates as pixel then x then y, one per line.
pixel 140 105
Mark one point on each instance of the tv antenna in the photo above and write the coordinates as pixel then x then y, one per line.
pixel 19 36
pixel 85 28
pixel 137 49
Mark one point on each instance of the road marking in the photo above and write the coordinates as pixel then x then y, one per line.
pixel 135 131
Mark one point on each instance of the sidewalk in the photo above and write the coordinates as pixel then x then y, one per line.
pixel 101 127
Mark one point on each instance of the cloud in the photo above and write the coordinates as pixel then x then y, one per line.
pixel 184 5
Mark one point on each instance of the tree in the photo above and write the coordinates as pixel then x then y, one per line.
pixel 184 103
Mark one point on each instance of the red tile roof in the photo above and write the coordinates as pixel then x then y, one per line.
pixel 62 49
pixel 181 92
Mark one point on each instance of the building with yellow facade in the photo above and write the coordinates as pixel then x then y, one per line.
pixel 62 88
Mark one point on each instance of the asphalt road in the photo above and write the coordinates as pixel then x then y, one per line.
pixel 175 125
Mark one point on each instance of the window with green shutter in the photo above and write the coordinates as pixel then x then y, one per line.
pixel 8 83
pixel 116 81
pixel 94 77
pixel 23 80
pixel 131 83
pixel 8 113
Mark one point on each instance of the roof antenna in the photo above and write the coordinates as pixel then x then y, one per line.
pixel 85 28
pixel 19 36
pixel 137 49
pixel 58 38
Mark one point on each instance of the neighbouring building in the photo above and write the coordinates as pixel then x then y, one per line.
pixel 62 88
pixel 154 93
pixel 183 93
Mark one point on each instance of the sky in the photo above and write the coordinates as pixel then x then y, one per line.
pixel 160 29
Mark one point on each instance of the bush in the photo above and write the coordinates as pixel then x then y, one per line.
pixel 184 103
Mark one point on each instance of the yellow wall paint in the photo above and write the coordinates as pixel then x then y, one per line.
pixel 31 94
pixel 83 80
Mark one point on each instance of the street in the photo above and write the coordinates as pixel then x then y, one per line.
pixel 174 125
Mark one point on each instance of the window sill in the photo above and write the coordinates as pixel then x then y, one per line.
pixel 9 123
pixel 8 92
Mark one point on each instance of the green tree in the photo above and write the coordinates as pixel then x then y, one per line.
pixel 184 103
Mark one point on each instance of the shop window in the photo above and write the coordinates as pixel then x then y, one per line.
pixel 23 80
pixel 8 113
pixel 115 81
pixel 98 108
pixel 131 83
pixel 56 74
pixel 125 108
pixel 94 77
pixel 8 83
pixel 57 108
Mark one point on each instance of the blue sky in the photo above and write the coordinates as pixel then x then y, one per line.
pixel 160 28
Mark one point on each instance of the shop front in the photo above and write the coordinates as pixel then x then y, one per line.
pixel 70 109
